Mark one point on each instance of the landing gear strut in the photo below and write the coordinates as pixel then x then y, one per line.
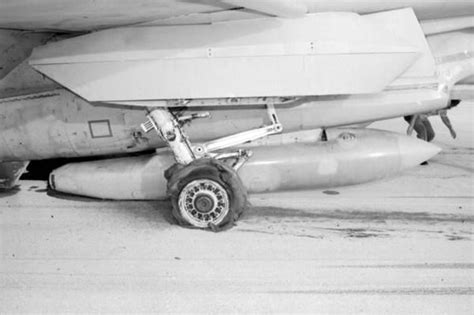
pixel 205 191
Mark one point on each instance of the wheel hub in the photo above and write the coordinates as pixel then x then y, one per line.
pixel 203 201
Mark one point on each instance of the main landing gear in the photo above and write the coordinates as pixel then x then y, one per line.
pixel 204 187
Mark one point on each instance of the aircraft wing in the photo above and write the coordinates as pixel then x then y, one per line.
pixel 411 56
pixel 281 8
pixel 80 16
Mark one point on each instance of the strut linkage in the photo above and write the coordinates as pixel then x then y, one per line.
pixel 241 137
pixel 240 156
pixel 169 129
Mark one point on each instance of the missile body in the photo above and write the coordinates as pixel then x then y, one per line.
pixel 352 157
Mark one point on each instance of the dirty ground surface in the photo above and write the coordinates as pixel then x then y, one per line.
pixel 401 245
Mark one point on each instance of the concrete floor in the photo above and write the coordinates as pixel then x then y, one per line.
pixel 402 245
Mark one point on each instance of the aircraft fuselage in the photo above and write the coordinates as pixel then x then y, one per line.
pixel 60 124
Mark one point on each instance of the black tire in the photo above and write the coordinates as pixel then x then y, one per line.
pixel 218 175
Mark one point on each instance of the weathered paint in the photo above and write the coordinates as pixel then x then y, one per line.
pixel 56 123
pixel 24 80
pixel 16 46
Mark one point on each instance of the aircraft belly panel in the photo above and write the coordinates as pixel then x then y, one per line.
pixel 31 127
pixel 59 124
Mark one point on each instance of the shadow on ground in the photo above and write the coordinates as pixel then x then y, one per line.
pixel 9 192
pixel 154 212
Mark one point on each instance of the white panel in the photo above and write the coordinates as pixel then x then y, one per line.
pixel 330 53
pixel 231 77
pixel 408 30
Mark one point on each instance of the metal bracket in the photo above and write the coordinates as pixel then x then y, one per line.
pixel 236 139
pixel 443 114
pixel 323 136
pixel 148 125
pixel 240 156
pixel 241 137
pixel 188 118
pixel 412 125
pixel 272 114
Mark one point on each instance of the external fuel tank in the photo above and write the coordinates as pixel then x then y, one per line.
pixel 352 157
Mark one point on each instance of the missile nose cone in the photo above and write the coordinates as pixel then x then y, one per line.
pixel 414 151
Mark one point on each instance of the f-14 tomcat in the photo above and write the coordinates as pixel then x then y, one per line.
pixel 209 85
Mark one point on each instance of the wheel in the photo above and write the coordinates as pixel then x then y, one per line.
pixel 206 194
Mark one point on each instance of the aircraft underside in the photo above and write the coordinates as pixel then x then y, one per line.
pixel 219 105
